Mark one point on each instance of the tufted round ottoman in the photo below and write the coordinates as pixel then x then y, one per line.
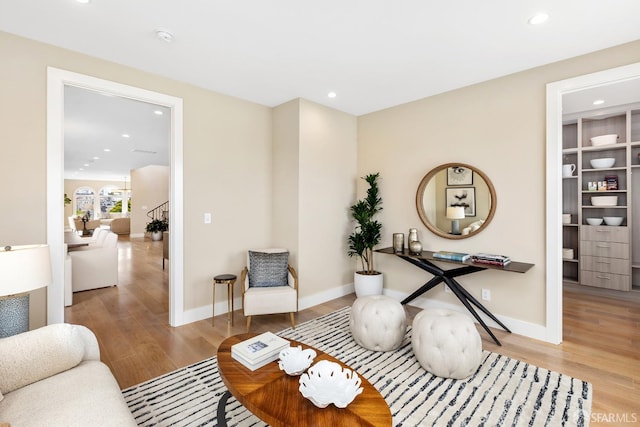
pixel 378 322
pixel 446 343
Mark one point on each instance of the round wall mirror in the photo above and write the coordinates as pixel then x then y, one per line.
pixel 456 201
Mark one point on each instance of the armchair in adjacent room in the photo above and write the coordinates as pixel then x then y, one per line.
pixel 95 266
pixel 269 284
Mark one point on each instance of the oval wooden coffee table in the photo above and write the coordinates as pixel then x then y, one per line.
pixel 273 396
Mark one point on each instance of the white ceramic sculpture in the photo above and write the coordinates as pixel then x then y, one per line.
pixel 326 382
pixel 295 360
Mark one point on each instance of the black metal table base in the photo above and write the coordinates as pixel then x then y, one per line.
pixel 222 410
pixel 448 277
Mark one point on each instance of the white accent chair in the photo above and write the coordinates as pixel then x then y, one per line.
pixel 95 266
pixel 269 284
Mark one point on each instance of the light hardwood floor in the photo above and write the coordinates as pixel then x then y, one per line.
pixel 601 335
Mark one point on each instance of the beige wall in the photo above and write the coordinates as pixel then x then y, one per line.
pixel 314 172
pixel 227 163
pixel 150 189
pixel 499 127
pixel 328 141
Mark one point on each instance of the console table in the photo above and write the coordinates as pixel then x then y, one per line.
pixel 424 262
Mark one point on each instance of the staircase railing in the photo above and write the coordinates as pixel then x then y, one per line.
pixel 160 212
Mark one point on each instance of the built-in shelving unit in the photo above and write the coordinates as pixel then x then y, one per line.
pixel 604 256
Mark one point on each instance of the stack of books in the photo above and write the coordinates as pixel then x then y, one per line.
pixel 491 259
pixel 256 352
pixel 453 256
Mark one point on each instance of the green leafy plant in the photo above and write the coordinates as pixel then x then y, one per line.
pixel 117 207
pixel 367 232
pixel 67 200
pixel 157 225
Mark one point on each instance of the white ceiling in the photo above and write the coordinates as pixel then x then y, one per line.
pixel 373 53
pixel 95 122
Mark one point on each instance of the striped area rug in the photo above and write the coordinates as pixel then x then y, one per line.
pixel 502 392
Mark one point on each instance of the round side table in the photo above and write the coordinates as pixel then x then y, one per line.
pixel 229 280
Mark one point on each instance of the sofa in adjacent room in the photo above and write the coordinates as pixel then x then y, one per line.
pixel 53 376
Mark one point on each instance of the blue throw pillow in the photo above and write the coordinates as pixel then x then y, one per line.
pixel 268 269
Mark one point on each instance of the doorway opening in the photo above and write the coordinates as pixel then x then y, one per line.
pixel 56 81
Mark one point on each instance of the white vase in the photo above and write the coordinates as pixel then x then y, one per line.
pixel 367 284
pixel 156 235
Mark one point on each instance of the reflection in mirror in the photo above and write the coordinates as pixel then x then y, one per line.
pixel 451 186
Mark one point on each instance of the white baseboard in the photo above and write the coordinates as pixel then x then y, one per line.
pixel 204 312
pixel 520 327
pixel 134 235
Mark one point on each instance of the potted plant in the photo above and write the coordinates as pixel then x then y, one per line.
pixel 366 235
pixel 156 227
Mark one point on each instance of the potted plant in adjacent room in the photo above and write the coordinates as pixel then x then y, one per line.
pixel 156 227
pixel 366 235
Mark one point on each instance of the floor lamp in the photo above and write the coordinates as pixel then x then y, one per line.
pixel 454 213
pixel 22 270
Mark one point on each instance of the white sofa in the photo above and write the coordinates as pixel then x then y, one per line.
pixel 95 266
pixel 52 376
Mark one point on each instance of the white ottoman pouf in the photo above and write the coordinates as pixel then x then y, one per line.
pixel 378 322
pixel 446 343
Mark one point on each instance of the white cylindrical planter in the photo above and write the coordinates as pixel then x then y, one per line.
pixel 367 284
pixel 156 235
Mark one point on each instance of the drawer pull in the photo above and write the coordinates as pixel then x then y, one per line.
pixel 603 262
pixel 603 246
pixel 603 277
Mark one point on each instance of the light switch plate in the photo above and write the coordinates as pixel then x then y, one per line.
pixel 207 218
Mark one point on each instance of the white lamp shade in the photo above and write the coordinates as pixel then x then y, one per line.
pixel 24 268
pixel 455 212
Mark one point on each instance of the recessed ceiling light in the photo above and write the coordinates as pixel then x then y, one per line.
pixel 107 149
pixel 96 158
pixel 538 18
pixel 164 35
pixel 598 102
pixel 332 94
pixel 86 164
pixel 158 113
pixel 125 135
pixel 84 1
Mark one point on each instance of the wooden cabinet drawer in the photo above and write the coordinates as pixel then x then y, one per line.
pixel 604 233
pixel 605 265
pixel 604 249
pixel 619 282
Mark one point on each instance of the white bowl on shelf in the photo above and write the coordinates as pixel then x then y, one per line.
pixel 594 221
pixel 567 253
pixel 613 220
pixel 606 162
pixel 597 141
pixel 604 200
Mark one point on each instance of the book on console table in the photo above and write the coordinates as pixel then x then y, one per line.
pixel 256 352
pixel 453 256
pixel 491 259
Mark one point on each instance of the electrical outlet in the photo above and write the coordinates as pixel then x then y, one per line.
pixel 207 218
pixel 486 295
pixel 447 289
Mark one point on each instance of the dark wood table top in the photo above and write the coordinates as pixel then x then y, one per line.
pixel 513 266
pixel 273 396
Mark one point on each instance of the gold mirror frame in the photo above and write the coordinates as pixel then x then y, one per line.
pixel 423 214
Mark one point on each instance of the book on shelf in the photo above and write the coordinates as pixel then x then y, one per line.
pixel 258 351
pixel 453 256
pixel 491 259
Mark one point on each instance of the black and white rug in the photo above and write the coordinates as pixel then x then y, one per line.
pixel 502 392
